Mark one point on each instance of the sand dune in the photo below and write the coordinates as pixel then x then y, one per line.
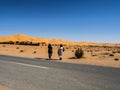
pixel 22 37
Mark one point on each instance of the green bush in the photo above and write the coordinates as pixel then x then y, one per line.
pixel 79 53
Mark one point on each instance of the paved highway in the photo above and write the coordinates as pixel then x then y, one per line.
pixel 35 74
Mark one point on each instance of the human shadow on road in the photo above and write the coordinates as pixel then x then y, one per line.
pixel 46 59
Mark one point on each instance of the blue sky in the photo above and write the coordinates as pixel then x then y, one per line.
pixel 74 20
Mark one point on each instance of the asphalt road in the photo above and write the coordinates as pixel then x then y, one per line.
pixel 35 74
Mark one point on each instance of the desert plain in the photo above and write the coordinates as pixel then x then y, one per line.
pixel 100 54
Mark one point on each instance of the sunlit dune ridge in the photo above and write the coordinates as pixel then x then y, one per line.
pixel 22 37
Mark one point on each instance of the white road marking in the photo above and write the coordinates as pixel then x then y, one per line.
pixel 29 65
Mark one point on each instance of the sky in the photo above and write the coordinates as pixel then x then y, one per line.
pixel 74 20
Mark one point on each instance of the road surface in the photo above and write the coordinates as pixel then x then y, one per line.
pixel 35 74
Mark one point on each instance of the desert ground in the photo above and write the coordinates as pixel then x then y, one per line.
pixel 93 55
pixel 4 88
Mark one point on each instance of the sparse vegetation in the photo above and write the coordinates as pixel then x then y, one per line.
pixel 17 48
pixel 118 51
pixel 66 48
pixel 75 48
pixel 21 43
pixel 72 50
pixel 34 52
pixel 79 53
pixel 111 55
pixel 87 53
pixel 105 53
pixel 4 46
pixel 21 50
pixel 113 52
pixel 94 55
pixel 116 59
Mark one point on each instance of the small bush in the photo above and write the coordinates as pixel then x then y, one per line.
pixel 111 55
pixel 72 58
pixel 94 55
pixel 118 51
pixel 4 46
pixel 17 48
pixel 116 59
pixel 75 48
pixel 105 53
pixel 72 50
pixel 79 53
pixel 21 50
pixel 66 48
pixel 34 52
pixel 113 52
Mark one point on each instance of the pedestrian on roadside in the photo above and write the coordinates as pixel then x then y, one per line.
pixel 50 51
pixel 60 51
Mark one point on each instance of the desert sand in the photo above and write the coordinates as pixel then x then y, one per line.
pixel 101 54
pixel 4 88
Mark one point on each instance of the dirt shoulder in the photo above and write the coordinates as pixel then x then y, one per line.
pixel 107 63
pixel 4 88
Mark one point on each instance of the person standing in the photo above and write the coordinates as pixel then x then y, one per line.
pixel 60 51
pixel 50 51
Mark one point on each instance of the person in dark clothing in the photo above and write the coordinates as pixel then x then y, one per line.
pixel 50 51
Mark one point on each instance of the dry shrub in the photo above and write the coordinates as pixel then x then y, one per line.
pixel 75 47
pixel 111 55
pixel 118 51
pixel 88 50
pixel 66 48
pixel 72 50
pixel 17 48
pixel 34 52
pixel 21 50
pixel 104 53
pixel 116 59
pixel 4 46
pixel 114 52
pixel 94 55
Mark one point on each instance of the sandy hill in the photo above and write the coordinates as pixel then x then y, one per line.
pixel 22 37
